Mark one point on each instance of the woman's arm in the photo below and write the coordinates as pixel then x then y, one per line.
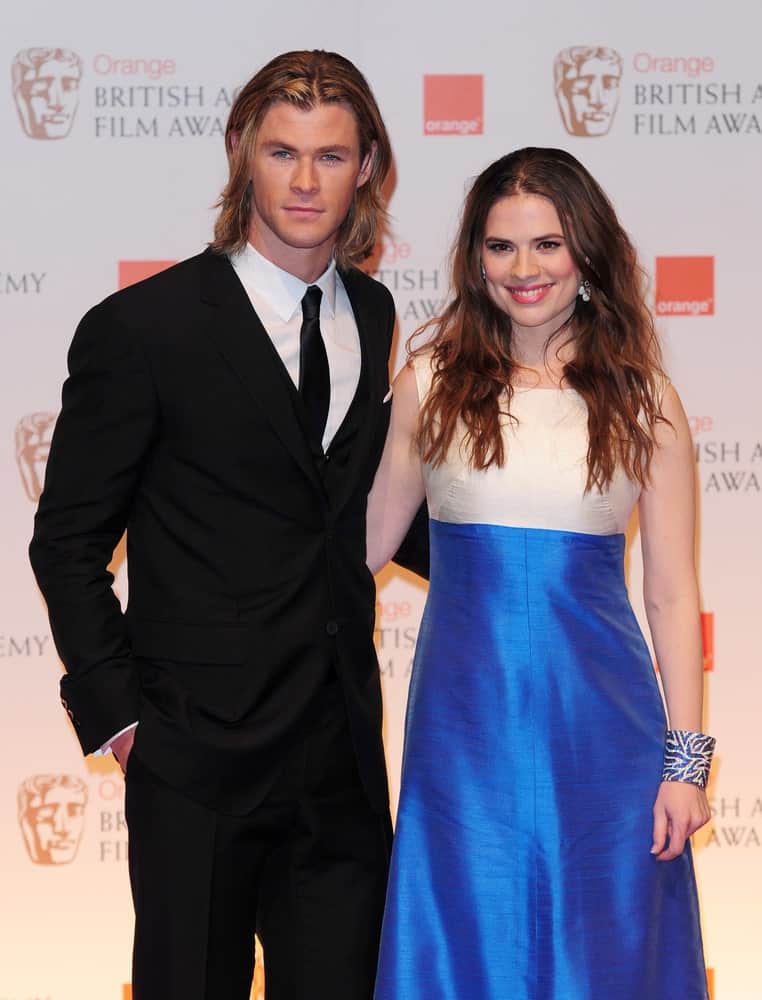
pixel 398 488
pixel 670 587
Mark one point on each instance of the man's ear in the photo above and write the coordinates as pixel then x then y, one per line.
pixel 367 165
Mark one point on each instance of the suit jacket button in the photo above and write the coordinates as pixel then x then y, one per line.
pixel 332 628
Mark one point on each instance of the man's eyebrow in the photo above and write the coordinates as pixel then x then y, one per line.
pixel 335 148
pixel 280 145
pixel 332 148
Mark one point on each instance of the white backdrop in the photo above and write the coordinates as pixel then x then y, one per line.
pixel 135 162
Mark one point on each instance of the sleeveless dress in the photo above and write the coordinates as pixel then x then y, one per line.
pixel 533 745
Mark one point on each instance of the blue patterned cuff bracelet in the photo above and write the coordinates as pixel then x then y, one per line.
pixel 687 757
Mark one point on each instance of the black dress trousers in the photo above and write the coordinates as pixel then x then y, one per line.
pixel 306 870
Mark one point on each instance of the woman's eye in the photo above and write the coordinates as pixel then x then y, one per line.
pixel 549 245
pixel 499 247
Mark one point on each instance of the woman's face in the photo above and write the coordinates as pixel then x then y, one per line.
pixel 530 273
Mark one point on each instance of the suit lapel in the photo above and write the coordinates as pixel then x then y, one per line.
pixel 240 337
pixel 373 378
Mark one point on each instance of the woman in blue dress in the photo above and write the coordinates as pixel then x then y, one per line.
pixel 541 849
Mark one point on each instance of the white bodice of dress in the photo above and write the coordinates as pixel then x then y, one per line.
pixel 542 481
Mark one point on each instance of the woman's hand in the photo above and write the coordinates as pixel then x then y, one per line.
pixel 680 809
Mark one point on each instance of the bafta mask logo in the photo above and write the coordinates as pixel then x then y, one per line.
pixel 586 80
pixel 33 434
pixel 46 91
pixel 52 817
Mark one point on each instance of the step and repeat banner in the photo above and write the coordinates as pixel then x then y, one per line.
pixel 112 122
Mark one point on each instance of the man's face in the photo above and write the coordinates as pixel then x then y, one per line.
pixel 305 170
pixel 56 825
pixel 590 96
pixel 47 99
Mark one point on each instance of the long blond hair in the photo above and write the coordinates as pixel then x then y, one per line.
pixel 305 80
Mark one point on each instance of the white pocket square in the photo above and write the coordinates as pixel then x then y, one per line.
pixel 387 397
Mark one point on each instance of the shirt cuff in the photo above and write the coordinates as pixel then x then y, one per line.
pixel 106 747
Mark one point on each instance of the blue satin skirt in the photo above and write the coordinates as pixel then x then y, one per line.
pixel 533 751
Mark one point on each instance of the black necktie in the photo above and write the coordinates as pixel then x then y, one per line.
pixel 314 379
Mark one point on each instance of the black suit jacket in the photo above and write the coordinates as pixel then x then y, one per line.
pixel 246 546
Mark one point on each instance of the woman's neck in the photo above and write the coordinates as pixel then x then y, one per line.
pixel 539 360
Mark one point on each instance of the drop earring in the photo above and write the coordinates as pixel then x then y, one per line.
pixel 482 272
pixel 584 290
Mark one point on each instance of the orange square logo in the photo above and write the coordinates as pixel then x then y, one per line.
pixel 710 982
pixel 127 992
pixel 132 271
pixel 707 638
pixel 685 286
pixel 453 104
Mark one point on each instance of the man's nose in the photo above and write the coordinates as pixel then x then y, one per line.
pixel 305 177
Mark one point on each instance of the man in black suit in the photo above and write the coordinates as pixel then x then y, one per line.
pixel 229 413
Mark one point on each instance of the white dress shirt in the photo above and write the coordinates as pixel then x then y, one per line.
pixel 277 299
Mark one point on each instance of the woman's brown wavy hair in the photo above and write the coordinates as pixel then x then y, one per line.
pixel 616 367
pixel 305 80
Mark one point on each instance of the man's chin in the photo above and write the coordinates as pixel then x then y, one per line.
pixel 306 238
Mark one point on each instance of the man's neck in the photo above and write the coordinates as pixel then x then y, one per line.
pixel 305 263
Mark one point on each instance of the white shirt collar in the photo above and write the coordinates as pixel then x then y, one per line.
pixel 282 291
